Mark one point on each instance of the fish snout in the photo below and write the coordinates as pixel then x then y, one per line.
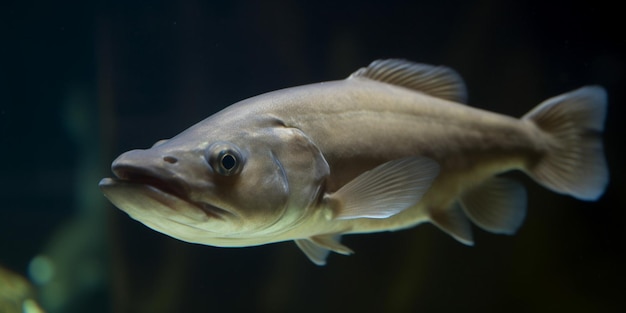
pixel 137 159
pixel 146 167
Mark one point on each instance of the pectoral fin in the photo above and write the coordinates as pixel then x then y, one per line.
pixel 317 248
pixel 385 190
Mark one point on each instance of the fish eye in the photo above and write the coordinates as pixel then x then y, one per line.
pixel 225 159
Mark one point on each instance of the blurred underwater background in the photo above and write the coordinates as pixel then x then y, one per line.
pixel 83 81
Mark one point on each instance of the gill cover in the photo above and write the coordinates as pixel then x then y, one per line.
pixel 268 177
pixel 302 167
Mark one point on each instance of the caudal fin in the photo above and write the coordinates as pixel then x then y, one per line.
pixel 575 163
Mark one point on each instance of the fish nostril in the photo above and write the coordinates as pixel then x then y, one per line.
pixel 170 159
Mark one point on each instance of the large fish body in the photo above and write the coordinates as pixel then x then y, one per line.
pixel 388 148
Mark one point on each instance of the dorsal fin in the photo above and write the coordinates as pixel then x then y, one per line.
pixel 437 81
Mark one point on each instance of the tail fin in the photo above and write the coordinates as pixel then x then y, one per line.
pixel 575 163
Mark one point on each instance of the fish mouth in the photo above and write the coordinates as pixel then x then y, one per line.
pixel 165 190
pixel 131 174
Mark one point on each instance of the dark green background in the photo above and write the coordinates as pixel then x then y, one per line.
pixel 83 81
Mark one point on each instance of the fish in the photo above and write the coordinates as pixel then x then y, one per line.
pixel 392 146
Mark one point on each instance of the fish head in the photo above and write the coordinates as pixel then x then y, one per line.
pixel 241 183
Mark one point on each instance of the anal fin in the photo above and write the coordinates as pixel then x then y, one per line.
pixel 498 205
pixel 453 221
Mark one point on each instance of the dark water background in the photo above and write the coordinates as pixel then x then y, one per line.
pixel 83 81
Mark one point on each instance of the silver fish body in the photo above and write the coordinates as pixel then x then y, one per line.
pixel 388 148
